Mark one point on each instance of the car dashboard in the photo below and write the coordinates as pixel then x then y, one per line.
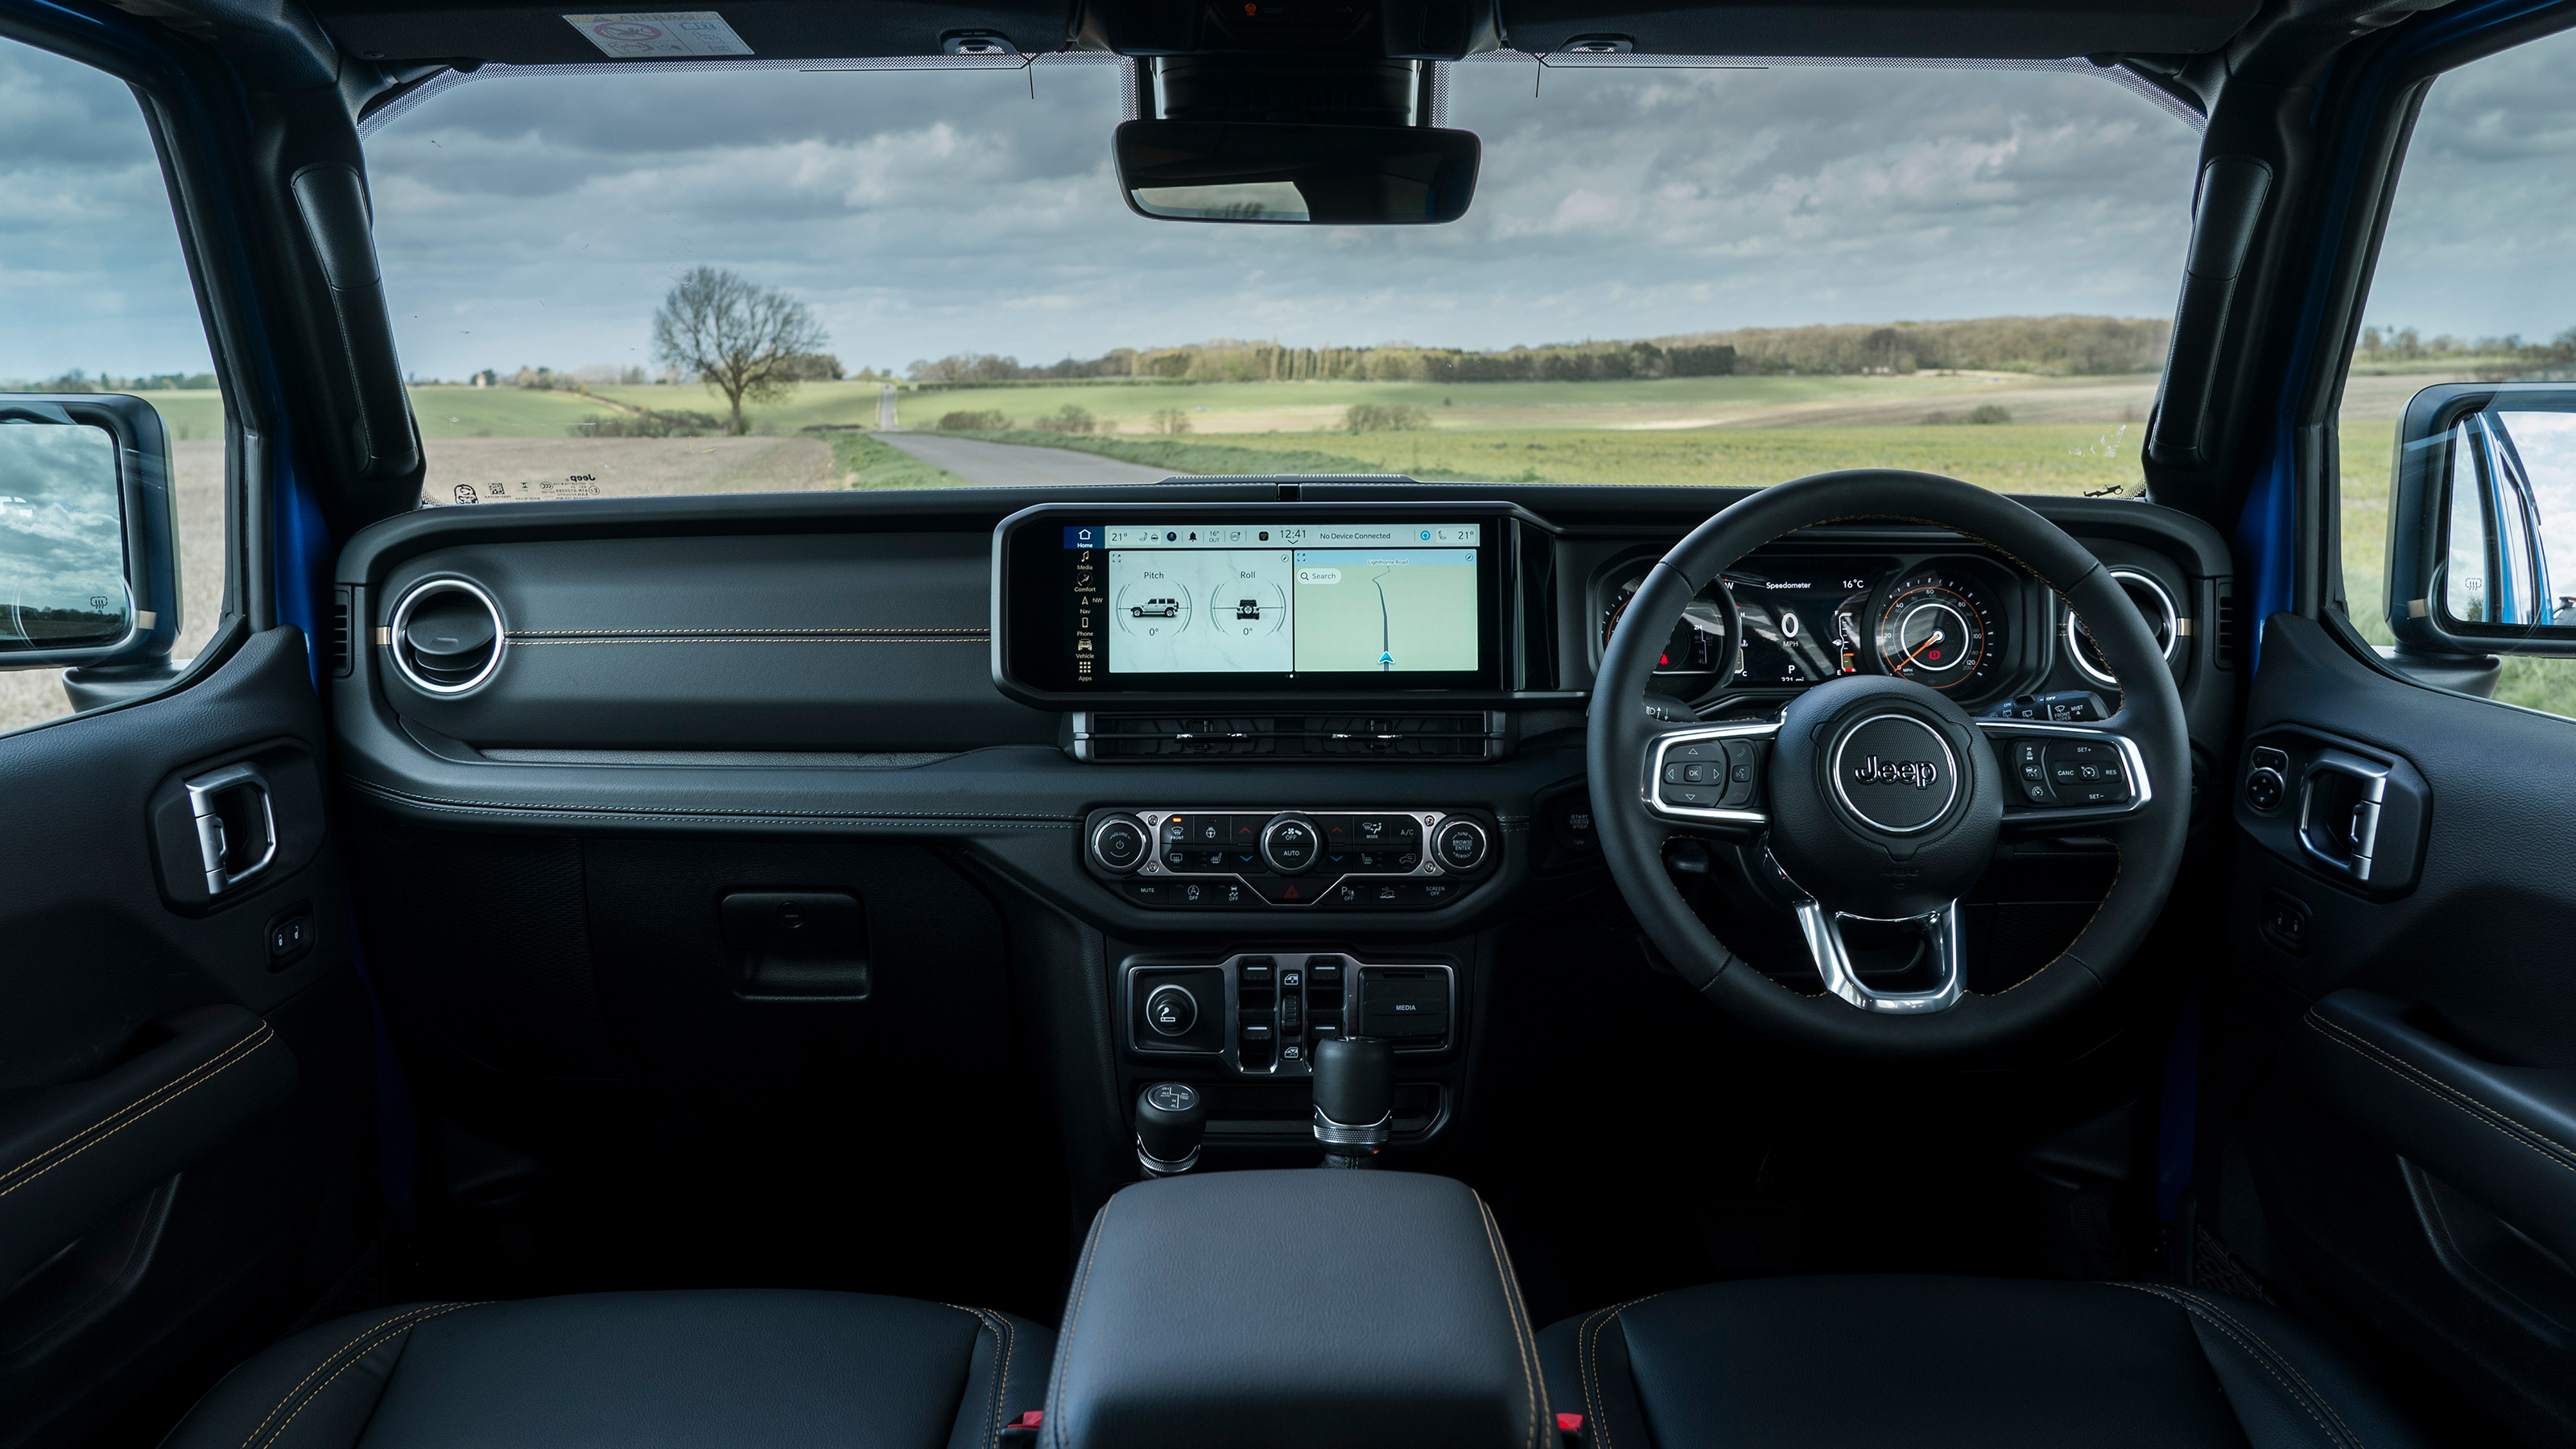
pixel 1322 822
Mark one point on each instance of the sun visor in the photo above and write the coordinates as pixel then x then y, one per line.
pixel 1882 28
pixel 592 34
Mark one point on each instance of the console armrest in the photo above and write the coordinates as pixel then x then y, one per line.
pixel 1364 1310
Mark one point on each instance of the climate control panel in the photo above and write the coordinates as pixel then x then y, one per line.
pixel 1289 859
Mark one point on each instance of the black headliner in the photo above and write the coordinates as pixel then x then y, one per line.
pixel 399 30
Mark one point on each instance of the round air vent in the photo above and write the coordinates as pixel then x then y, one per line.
pixel 447 636
pixel 2154 605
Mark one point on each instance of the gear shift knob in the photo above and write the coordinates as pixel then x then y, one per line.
pixel 1171 1118
pixel 1354 1098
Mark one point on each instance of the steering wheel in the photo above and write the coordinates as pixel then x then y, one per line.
pixel 1873 798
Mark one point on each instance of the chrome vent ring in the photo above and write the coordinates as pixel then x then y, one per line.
pixel 2164 621
pixel 447 637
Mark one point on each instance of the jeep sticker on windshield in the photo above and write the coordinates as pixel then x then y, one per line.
pixel 660 34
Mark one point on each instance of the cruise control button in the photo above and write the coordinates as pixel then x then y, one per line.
pixel 2087 772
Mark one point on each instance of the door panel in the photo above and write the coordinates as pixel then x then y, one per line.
pixel 2413 1140
pixel 185 1111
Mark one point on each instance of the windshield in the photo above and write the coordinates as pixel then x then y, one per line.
pixel 671 281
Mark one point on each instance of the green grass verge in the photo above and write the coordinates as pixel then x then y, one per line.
pixel 1186 455
pixel 2013 459
pixel 866 463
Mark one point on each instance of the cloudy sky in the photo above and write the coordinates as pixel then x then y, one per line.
pixel 2480 235
pixel 60 543
pixel 536 220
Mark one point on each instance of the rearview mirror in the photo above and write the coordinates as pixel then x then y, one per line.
pixel 2485 498
pixel 1277 174
pixel 88 563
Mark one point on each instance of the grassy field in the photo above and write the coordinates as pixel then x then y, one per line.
pixel 866 463
pixel 2068 435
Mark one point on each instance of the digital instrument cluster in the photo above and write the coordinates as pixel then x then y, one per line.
pixel 1788 622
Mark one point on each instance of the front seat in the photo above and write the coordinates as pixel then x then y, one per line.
pixel 1838 1363
pixel 708 1369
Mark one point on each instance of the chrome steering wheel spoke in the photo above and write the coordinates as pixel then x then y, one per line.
pixel 1823 928
pixel 2061 778
pixel 1710 775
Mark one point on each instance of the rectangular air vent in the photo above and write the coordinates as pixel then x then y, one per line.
pixel 1337 736
pixel 2223 642
pixel 340 631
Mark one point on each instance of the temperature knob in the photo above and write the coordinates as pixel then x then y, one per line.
pixel 1460 846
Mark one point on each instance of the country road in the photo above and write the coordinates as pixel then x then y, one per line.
pixel 1007 465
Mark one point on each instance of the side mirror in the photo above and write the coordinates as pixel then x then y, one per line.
pixel 2483 500
pixel 89 562
pixel 1277 172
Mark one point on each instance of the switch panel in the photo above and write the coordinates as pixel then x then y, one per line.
pixel 1261 1015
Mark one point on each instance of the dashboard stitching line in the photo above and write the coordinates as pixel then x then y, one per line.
pixel 1035 822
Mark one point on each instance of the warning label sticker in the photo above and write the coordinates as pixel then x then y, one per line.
pixel 663 33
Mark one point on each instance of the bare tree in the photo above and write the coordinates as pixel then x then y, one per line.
pixel 741 340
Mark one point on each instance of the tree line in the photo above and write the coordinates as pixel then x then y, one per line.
pixel 2069 345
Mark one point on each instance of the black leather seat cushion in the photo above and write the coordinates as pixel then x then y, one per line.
pixel 705 1370
pixel 1820 1363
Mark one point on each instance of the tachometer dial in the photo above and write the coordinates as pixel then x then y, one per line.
pixel 1700 642
pixel 1936 629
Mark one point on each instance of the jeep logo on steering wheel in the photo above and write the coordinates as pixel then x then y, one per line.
pixel 1918 773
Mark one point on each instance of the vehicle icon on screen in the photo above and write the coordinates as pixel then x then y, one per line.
pixel 1158 609
pixel 1247 609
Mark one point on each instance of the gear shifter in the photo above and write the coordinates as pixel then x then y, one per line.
pixel 1354 1098
pixel 1171 1118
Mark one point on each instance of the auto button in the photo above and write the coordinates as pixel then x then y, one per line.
pixel 1289 844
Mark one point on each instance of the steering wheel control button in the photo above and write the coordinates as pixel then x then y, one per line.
pixel 1119 845
pixel 1171 1011
pixel 1290 844
pixel 2087 772
pixel 1460 846
pixel 1895 773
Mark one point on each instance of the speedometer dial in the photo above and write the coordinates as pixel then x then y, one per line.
pixel 1937 629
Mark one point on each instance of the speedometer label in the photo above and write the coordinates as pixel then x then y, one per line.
pixel 1934 630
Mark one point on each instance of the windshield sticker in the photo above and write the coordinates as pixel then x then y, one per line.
pixel 664 33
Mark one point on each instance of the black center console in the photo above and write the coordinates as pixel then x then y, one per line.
pixel 1187 1325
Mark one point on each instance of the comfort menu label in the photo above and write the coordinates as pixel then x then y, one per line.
pixel 660 34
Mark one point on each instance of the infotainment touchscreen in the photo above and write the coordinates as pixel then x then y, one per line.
pixel 1242 603
pixel 1387 598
